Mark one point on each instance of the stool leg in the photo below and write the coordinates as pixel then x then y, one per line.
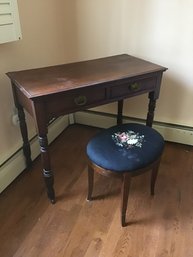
pixel 125 194
pixel 154 177
pixel 90 183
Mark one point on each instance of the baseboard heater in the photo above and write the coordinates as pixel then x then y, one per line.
pixel 171 132
pixel 15 164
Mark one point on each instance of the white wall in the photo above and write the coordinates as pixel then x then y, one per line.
pixel 62 31
pixel 48 38
pixel 157 30
pixel 99 27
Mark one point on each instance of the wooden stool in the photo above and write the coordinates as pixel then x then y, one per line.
pixel 124 151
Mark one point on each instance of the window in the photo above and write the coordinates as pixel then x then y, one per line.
pixel 9 21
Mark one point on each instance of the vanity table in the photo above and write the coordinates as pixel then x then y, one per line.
pixel 47 93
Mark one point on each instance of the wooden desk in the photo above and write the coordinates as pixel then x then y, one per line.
pixel 49 92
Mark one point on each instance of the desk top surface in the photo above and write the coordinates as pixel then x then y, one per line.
pixel 54 79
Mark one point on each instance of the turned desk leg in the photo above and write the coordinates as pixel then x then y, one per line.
pixel 120 112
pixel 47 173
pixel 24 133
pixel 151 108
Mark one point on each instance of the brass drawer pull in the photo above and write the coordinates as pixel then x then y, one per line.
pixel 134 86
pixel 80 100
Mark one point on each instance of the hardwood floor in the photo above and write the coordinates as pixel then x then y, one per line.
pixel 160 226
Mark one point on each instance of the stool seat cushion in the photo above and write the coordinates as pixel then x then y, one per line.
pixel 125 147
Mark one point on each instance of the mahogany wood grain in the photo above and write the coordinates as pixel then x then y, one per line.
pixel 50 92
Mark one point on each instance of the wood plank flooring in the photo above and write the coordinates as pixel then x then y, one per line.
pixel 159 226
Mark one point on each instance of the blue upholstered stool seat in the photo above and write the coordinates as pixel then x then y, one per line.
pixel 126 147
pixel 125 151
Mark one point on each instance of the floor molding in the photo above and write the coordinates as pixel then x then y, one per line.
pixel 16 163
pixel 171 132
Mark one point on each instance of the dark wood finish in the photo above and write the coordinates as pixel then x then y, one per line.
pixel 49 92
pixel 24 133
pixel 126 179
pixel 120 112
pixel 31 227
pixel 154 177
pixel 151 109
pixel 47 173
pixel 124 194
pixel 23 129
pixel 90 183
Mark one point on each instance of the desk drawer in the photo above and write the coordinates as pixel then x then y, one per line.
pixel 74 100
pixel 133 87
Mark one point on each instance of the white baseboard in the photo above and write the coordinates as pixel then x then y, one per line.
pixel 16 164
pixel 170 132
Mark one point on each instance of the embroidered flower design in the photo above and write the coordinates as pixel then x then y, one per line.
pixel 128 139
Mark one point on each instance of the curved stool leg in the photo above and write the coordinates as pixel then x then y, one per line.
pixel 90 183
pixel 154 177
pixel 125 194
